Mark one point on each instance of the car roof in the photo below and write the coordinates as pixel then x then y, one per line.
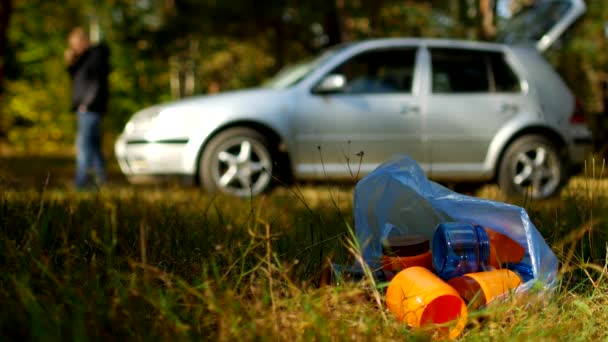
pixel 431 42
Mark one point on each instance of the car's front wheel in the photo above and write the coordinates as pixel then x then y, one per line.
pixel 532 166
pixel 237 161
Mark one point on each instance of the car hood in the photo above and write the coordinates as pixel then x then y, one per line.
pixel 242 102
pixel 198 116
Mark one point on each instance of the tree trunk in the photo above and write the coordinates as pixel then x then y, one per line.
pixel 333 27
pixel 374 8
pixel 6 9
pixel 279 33
pixel 346 34
pixel 486 12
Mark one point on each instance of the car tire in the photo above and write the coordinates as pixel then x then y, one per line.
pixel 467 188
pixel 532 167
pixel 237 161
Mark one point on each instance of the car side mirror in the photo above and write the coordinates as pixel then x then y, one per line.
pixel 333 83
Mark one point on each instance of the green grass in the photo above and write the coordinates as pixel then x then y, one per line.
pixel 170 263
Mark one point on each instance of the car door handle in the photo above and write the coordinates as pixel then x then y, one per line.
pixel 406 109
pixel 508 108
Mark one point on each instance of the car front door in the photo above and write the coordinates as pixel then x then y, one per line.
pixel 473 93
pixel 373 116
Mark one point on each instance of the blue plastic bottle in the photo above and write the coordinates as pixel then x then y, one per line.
pixel 460 248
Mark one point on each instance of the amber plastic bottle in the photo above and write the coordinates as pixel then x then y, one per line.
pixel 479 289
pixel 405 251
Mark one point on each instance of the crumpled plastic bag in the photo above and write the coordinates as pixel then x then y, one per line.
pixel 397 198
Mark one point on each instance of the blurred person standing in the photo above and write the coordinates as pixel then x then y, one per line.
pixel 89 68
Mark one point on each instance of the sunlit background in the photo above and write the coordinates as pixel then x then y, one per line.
pixel 168 49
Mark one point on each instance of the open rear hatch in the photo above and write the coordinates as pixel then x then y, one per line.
pixel 541 24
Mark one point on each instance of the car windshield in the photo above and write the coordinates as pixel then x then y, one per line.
pixel 292 74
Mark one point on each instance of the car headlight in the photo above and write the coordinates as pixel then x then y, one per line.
pixel 142 121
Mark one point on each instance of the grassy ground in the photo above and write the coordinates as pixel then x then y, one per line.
pixel 160 263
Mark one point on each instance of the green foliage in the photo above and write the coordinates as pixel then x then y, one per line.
pixel 36 112
pixel 35 109
pixel 225 58
pixel 582 61
pixel 155 42
pixel 403 19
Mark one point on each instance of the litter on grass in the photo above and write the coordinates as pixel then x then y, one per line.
pixel 465 250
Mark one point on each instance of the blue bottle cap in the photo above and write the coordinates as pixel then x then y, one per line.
pixel 483 241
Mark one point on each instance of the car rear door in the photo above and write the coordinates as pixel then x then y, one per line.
pixel 473 93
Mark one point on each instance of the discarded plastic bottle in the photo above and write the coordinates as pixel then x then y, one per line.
pixel 418 297
pixel 401 252
pixel 461 248
pixel 503 250
pixel 523 270
pixel 478 289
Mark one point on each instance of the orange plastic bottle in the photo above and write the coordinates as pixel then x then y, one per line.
pixel 418 297
pixel 479 289
pixel 503 249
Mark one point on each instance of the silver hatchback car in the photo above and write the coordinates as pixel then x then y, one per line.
pixel 466 111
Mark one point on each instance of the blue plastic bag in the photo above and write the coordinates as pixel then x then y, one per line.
pixel 398 199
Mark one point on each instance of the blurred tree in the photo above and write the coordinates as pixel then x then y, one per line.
pixel 33 108
pixel 583 61
pixel 6 9
pixel 487 12
pixel 161 49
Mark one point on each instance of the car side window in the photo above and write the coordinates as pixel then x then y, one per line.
pixel 470 71
pixel 504 78
pixel 459 71
pixel 379 71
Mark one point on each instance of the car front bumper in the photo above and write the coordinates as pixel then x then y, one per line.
pixel 141 157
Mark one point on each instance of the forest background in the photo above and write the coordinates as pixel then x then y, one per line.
pixel 168 49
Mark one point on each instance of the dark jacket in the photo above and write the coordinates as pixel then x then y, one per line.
pixel 90 79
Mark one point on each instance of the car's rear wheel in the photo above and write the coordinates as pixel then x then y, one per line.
pixel 533 167
pixel 238 161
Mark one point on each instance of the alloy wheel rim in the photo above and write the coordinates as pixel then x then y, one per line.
pixel 536 172
pixel 242 167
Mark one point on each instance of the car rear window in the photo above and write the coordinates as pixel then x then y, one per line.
pixel 471 71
